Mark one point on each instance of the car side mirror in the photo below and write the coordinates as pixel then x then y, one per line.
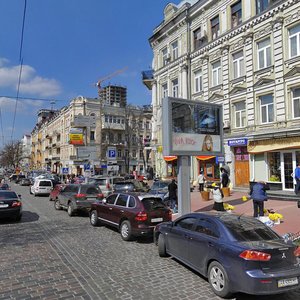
pixel 20 196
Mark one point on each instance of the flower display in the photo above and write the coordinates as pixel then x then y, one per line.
pixel 244 198
pixel 228 206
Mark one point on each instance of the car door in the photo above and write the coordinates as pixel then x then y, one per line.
pixel 178 238
pixel 106 207
pixel 203 243
pixel 119 208
pixel 67 193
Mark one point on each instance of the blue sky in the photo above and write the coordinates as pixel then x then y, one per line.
pixel 67 46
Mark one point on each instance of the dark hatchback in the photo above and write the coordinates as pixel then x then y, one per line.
pixel 77 197
pixel 10 205
pixel 236 253
pixel 130 185
pixel 131 213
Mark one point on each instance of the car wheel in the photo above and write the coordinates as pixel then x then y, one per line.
pixel 94 218
pixel 70 210
pixel 30 192
pixel 57 205
pixel 218 280
pixel 125 231
pixel 162 246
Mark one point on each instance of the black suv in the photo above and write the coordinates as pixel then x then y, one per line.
pixel 77 197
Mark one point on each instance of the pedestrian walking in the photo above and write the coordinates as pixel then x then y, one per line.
pixel 259 196
pixel 201 180
pixel 172 188
pixel 224 178
pixel 217 197
pixel 297 178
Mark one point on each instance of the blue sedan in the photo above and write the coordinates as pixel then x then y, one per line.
pixel 236 253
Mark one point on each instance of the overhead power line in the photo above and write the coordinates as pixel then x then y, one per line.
pixel 30 98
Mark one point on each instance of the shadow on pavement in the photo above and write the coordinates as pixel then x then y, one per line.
pixel 27 216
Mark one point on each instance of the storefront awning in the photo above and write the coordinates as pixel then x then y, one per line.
pixel 170 158
pixel 274 144
pixel 205 157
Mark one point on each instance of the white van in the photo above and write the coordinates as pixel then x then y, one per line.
pixel 41 187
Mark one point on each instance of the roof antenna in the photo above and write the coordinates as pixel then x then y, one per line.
pixel 52 102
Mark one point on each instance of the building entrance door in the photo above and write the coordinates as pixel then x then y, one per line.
pixel 288 170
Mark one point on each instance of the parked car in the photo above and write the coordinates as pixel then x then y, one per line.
pixel 77 197
pixel 16 177
pixel 236 253
pixel 160 188
pixel 10 205
pixel 130 185
pixel 56 190
pixel 41 187
pixel 4 186
pixel 25 182
pixel 133 214
pixel 105 183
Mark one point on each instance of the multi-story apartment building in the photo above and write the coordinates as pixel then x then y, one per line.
pixel 81 137
pixel 245 55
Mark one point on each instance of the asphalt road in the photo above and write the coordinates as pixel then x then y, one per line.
pixel 49 255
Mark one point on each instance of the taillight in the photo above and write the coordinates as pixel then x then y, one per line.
pixel 141 216
pixel 297 251
pixel 16 204
pixel 255 255
pixel 100 196
pixel 80 196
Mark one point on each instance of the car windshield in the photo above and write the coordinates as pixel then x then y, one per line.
pixel 124 186
pixel 8 195
pixel 157 185
pixel 153 203
pixel 90 190
pixel 246 230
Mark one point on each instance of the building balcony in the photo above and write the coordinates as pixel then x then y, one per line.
pixel 147 77
pixel 113 126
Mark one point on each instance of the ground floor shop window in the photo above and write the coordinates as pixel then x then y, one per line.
pixel 210 169
pixel 274 166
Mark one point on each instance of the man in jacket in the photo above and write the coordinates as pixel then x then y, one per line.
pixel 259 195
pixel 297 178
pixel 172 188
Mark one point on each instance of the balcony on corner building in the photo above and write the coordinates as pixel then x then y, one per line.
pixel 147 77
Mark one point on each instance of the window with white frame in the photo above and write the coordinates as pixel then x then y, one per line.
pixel 165 90
pixel 240 114
pixel 238 64
pixel 174 47
pixel 216 73
pixel 165 56
pixel 266 108
pixel 175 88
pixel 198 81
pixel 264 54
pixel 294 41
pixel 236 14
pixel 296 102
pixel 215 27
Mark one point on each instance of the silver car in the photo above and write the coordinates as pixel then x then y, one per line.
pixel 105 183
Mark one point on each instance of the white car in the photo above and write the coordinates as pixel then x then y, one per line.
pixel 41 187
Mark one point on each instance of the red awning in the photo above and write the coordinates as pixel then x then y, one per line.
pixel 205 157
pixel 170 158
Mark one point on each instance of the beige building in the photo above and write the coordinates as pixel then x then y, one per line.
pixel 245 55
pixel 88 137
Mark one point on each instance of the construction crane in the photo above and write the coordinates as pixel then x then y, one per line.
pixel 99 82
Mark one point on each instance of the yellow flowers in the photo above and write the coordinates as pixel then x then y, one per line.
pixel 228 206
pixel 275 216
pixel 244 198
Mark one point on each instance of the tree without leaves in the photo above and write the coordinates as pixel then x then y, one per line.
pixel 11 154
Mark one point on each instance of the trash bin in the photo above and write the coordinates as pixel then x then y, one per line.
pixel 226 191
pixel 205 195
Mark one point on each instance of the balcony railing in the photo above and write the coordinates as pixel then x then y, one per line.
pixel 147 77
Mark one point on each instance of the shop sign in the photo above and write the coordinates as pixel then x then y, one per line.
pixel 237 142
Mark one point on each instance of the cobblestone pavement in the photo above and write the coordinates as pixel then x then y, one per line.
pixel 49 255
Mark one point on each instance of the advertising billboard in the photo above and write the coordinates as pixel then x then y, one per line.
pixel 192 127
pixel 76 136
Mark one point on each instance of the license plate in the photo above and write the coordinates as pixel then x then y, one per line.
pixel 156 220
pixel 3 205
pixel 287 282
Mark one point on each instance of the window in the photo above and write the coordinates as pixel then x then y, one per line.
pixel 122 200
pixel 92 135
pixel 165 56
pixel 296 102
pixel 119 153
pixel 207 227
pixel 216 73
pixel 274 166
pixel 294 41
pixel 266 109
pixel 264 54
pixel 131 202
pixel 236 14
pixel 238 64
pixel 186 223
pixel 240 114
pixel 174 47
pixel 119 137
pixel 198 81
pixel 141 153
pixel 175 88
pixel 134 153
pixel 165 90
pixel 215 27
pixel 262 5
pixel 111 199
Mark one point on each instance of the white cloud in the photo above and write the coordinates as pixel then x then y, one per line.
pixel 25 107
pixel 31 83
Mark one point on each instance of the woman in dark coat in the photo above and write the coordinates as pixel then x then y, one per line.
pixel 259 195
pixel 224 178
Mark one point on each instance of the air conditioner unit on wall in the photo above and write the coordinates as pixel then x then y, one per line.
pixel 226 124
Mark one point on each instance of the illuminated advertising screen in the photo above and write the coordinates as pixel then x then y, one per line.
pixel 192 127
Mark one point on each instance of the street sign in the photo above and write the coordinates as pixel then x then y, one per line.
pixel 111 153
pixel 65 170
pixel 87 167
